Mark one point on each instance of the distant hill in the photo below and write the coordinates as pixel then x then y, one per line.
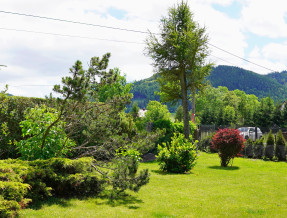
pixel 279 77
pixel 250 82
pixel 274 84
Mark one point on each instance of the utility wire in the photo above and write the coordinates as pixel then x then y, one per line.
pixel 66 35
pixel 71 21
pixel 240 57
pixel 122 29
pixel 222 60
pixel 28 85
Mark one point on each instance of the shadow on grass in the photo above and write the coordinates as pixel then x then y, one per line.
pixel 160 172
pixel 121 200
pixel 224 168
pixel 63 202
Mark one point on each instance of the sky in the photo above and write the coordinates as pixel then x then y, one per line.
pixel 37 55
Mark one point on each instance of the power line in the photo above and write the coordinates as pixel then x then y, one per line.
pixel 223 60
pixel 240 57
pixel 117 28
pixel 74 22
pixel 66 35
pixel 28 85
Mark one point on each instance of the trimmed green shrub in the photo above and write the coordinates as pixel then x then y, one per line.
pixel 178 156
pixel 280 149
pixel 259 148
pixel 269 149
pixel 248 148
pixel 229 143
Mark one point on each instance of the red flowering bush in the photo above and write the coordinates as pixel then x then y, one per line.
pixel 229 143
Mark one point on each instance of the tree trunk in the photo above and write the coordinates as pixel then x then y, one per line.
pixel 193 105
pixel 184 105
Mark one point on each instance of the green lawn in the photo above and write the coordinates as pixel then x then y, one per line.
pixel 250 188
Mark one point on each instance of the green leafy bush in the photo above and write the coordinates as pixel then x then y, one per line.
pixel 170 129
pixel 37 120
pixel 178 156
pixel 11 114
pixel 229 143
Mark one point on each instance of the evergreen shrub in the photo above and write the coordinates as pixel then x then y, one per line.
pixel 280 149
pixel 24 181
pixel 269 149
pixel 259 148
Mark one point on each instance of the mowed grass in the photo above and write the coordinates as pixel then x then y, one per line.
pixel 250 188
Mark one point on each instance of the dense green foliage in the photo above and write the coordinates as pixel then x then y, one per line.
pixel 156 111
pixel 24 181
pixel 12 113
pixel 229 143
pixel 36 122
pixel 178 156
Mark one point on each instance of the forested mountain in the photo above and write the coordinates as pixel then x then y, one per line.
pixel 279 77
pixel 249 82
pixel 274 84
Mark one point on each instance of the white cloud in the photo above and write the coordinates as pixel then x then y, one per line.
pixel 265 18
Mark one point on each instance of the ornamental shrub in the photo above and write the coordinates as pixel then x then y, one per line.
pixel 248 148
pixel 280 150
pixel 269 149
pixel 259 148
pixel 229 143
pixel 178 156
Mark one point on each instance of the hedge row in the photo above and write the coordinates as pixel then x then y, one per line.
pixel 12 113
pixel 24 181
pixel 252 149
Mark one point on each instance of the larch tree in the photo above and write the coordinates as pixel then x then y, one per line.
pixel 179 55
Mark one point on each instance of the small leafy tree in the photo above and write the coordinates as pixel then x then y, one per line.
pixel 229 143
pixel 125 175
pixel 280 150
pixel 156 111
pixel 179 156
pixel 37 120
